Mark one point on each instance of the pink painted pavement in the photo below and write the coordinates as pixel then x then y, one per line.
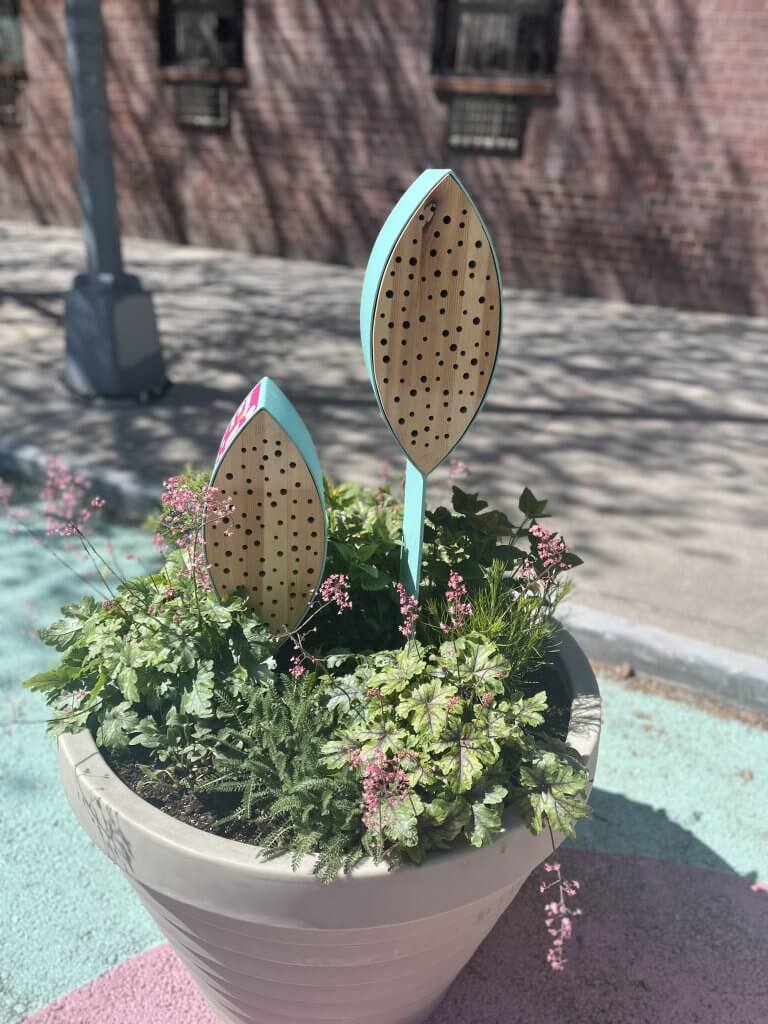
pixel 659 943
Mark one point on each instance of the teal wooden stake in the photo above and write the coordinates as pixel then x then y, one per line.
pixel 430 325
pixel 413 528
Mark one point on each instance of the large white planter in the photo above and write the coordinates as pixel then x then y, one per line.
pixel 268 945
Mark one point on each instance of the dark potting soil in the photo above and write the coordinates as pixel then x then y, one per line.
pixel 206 810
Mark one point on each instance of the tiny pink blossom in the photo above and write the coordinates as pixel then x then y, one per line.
pixel 459 608
pixel 551 549
pixel 385 784
pixel 335 590
pixel 558 915
pixel 298 668
pixel 409 611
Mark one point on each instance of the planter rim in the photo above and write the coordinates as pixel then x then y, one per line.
pixel 97 781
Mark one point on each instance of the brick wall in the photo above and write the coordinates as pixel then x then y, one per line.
pixel 646 178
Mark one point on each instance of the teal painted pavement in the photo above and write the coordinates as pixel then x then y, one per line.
pixel 676 782
pixel 673 782
pixel 66 912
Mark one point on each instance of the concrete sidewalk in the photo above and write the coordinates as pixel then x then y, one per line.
pixel 645 427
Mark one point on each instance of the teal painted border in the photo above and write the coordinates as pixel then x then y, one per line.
pixel 386 241
pixel 274 402
pixel 414 505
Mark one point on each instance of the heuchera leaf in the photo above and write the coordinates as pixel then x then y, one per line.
pixel 428 707
pixel 462 761
pixel 486 815
pixel 556 793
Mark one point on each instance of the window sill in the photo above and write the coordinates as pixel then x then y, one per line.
pixel 491 85
pixel 216 76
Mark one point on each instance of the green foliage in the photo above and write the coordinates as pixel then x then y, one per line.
pixel 381 749
pixel 270 755
pixel 452 718
pixel 364 531
pixel 150 668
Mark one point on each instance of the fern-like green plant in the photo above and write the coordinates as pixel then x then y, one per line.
pixel 270 756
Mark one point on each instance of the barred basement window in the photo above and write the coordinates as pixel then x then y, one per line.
pixel 202 105
pixel 201 33
pixel 487 123
pixel 497 37
pixel 10 102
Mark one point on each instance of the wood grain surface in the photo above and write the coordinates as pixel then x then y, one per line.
pixel 436 325
pixel 276 545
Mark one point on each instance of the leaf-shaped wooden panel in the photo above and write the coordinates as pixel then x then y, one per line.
pixel 431 317
pixel 274 544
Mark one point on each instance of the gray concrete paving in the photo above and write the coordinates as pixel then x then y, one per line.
pixel 646 428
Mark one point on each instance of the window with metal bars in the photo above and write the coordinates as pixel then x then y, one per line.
pixel 201 33
pixel 487 123
pixel 497 37
pixel 202 105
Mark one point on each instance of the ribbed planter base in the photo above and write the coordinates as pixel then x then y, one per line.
pixel 267 945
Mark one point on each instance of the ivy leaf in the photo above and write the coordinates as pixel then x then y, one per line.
pixel 530 506
pixel 572 560
pixel 507 553
pixel 495 523
pixel 467 504
pixel 428 707
pixel 197 701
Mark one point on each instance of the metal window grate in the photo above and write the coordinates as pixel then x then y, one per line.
pixel 497 37
pixel 10 102
pixel 485 42
pixel 201 33
pixel 202 105
pixel 487 122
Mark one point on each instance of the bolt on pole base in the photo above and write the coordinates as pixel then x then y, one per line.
pixel 112 340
